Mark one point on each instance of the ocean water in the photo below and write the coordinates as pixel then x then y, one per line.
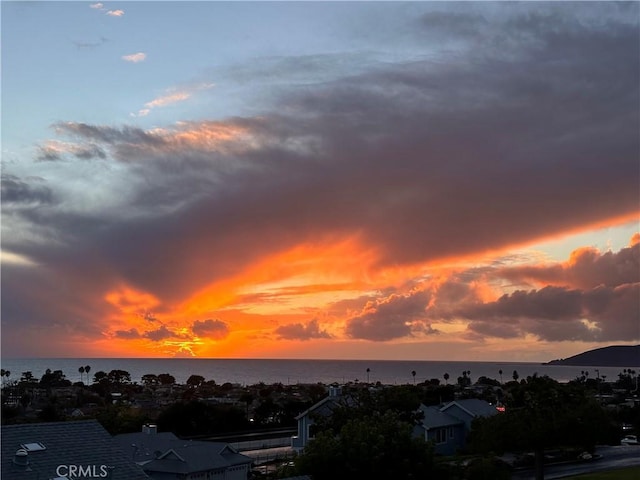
pixel 252 371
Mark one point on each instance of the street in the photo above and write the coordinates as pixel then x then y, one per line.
pixel 612 458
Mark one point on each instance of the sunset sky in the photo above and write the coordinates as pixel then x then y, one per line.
pixel 423 181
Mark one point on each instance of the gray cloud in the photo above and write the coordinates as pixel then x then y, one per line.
pixel 588 268
pixel 559 314
pixel 210 328
pixel 130 334
pixel 17 191
pixel 390 318
pixel 299 331
pixel 161 333
pixel 157 335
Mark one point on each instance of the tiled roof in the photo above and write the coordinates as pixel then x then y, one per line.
pixel 83 443
pixel 164 452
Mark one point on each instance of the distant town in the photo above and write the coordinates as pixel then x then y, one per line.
pixel 453 427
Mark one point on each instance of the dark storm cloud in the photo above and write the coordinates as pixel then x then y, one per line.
pixel 17 191
pixel 427 159
pixel 161 333
pixel 107 135
pixel 157 335
pixel 390 318
pixel 42 303
pixel 587 268
pixel 601 310
pixel 130 334
pixel 299 331
pixel 210 328
pixel 560 314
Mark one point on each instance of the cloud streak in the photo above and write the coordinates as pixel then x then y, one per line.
pixel 172 96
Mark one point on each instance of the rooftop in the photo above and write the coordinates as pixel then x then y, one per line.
pixel 47 446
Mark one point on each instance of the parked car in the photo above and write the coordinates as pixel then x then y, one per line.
pixel 629 440
pixel 585 456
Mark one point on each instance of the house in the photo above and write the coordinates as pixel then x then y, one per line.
pixel 64 450
pixel 445 431
pixel 306 419
pixel 164 456
pixel 447 426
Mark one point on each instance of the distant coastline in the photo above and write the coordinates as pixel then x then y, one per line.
pixel 253 371
pixel 612 356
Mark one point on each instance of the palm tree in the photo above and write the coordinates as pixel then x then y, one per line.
pixel 515 375
pixel 368 370
pixel 81 370
pixel 413 373
pixel 4 373
pixel 446 378
pixel 87 369
pixel 500 372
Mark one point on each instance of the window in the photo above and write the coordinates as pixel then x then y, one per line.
pixel 451 434
pixel 441 435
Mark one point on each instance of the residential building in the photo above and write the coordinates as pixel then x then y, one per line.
pixel 62 451
pixel 447 426
pixel 306 420
pixel 163 456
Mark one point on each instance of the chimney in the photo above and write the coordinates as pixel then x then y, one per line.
pixel 150 429
pixel 21 458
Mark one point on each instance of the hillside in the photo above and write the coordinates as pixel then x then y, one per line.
pixel 613 356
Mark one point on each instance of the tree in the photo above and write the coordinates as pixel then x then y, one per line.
pixel 515 376
pixel 368 371
pixel 413 374
pixel 54 378
pixel 500 372
pixel 4 373
pixel 543 414
pixel 27 377
pixel 198 418
pixel 150 380
pixel 81 370
pixel 373 447
pixel 166 379
pixel 119 377
pixel 100 376
pixel 87 369
pixel 446 378
pixel 464 380
pixel 195 381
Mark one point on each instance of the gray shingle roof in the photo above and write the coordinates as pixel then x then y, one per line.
pixel 434 418
pixel 164 452
pixel 83 443
pixel 474 406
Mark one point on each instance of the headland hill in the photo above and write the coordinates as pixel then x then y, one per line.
pixel 612 356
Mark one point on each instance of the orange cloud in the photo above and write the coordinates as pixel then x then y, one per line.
pixel 173 95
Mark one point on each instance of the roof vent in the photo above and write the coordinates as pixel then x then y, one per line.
pixel 150 429
pixel 21 458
